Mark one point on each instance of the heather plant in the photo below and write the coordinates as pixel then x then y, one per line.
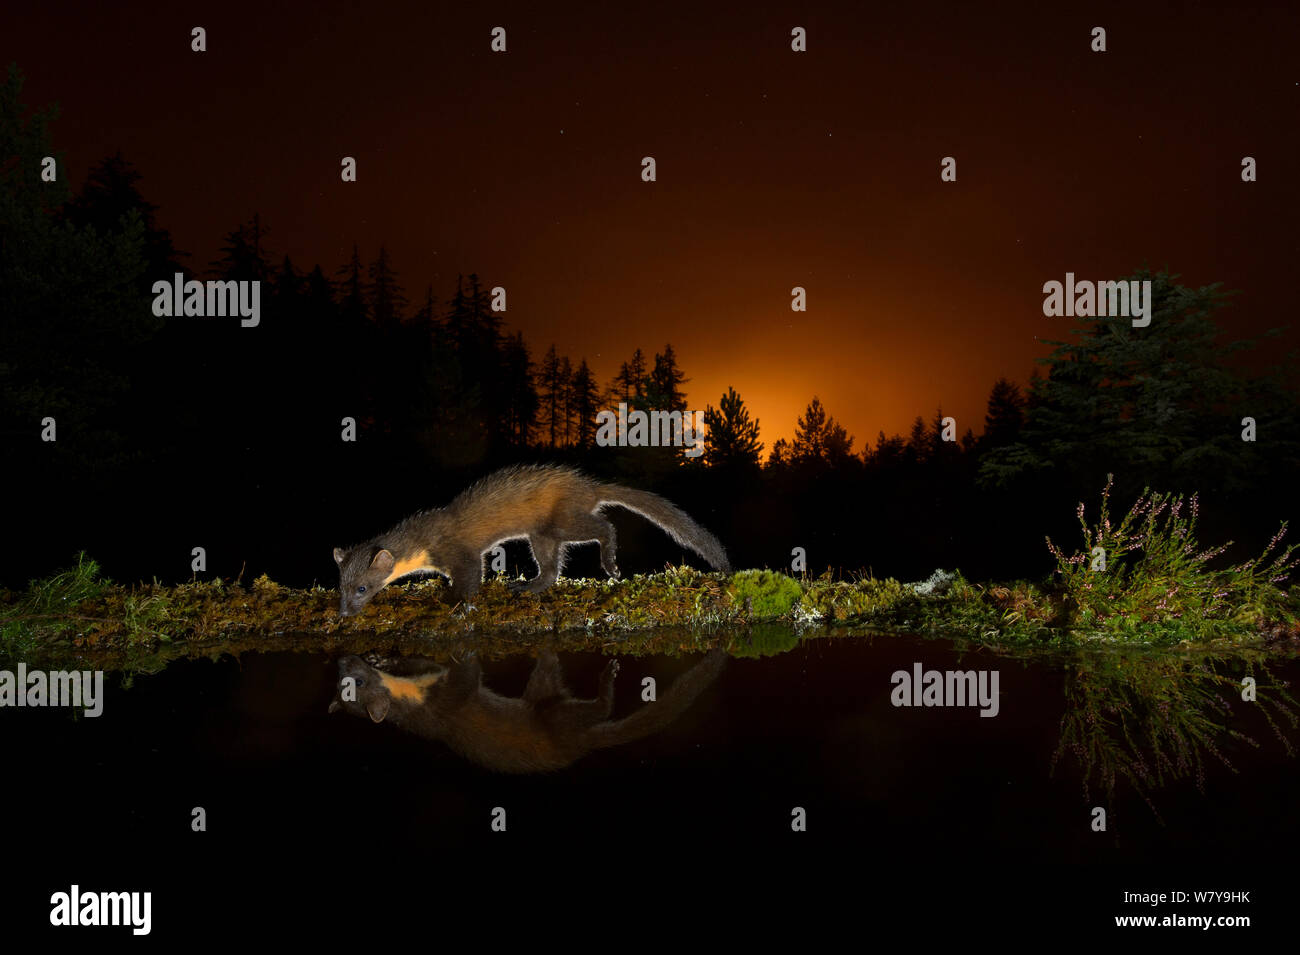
pixel 1154 719
pixel 1148 573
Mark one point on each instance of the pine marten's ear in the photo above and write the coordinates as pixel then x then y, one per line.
pixel 383 562
pixel 339 555
pixel 378 708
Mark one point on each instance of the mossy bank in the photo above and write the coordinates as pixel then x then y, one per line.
pixel 78 615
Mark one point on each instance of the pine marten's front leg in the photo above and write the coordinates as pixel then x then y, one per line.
pixel 464 679
pixel 402 666
pixel 546 681
pixel 466 571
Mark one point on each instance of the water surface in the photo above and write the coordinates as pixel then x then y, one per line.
pixel 289 788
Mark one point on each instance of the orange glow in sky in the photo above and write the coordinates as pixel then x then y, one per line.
pixel 774 170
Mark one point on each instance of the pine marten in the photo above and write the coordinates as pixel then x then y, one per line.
pixel 545 729
pixel 551 507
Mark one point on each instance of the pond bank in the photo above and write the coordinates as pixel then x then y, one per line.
pixel 78 616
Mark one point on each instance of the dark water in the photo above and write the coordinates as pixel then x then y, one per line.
pixel 301 804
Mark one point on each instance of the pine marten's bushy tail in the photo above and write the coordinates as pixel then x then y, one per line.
pixel 672 519
pixel 652 717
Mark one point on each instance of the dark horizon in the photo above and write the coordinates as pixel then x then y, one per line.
pixel 775 169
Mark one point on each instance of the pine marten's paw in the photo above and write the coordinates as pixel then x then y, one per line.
pixel 607 677
pixel 381 662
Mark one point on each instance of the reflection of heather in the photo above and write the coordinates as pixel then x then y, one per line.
pixel 1149 572
pixel 1152 720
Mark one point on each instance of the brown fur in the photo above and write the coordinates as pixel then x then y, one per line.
pixel 550 507
pixel 543 730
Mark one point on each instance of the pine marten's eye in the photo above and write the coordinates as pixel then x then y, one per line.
pixel 361 589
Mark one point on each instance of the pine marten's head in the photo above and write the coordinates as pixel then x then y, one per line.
pixel 363 690
pixel 363 572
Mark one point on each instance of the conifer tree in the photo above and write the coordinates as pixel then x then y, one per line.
pixel 384 294
pixel 732 439
pixel 586 401
pixel 663 387
pixel 819 438
pixel 552 387
pixel 567 402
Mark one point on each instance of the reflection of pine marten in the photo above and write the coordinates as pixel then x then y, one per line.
pixel 550 507
pixel 543 730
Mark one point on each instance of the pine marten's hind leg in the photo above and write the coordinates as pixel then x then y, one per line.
pixel 598 710
pixel 580 526
pixel 574 715
pixel 606 696
pixel 546 551
pixel 607 538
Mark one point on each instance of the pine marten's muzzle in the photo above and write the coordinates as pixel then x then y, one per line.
pixel 350 665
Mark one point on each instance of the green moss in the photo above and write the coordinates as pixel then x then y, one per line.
pixel 764 595
pixel 869 600
pixel 79 615
pixel 765 640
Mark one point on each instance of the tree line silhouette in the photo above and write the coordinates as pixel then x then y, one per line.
pixel 175 433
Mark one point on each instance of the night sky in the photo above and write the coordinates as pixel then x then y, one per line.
pixel 775 169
